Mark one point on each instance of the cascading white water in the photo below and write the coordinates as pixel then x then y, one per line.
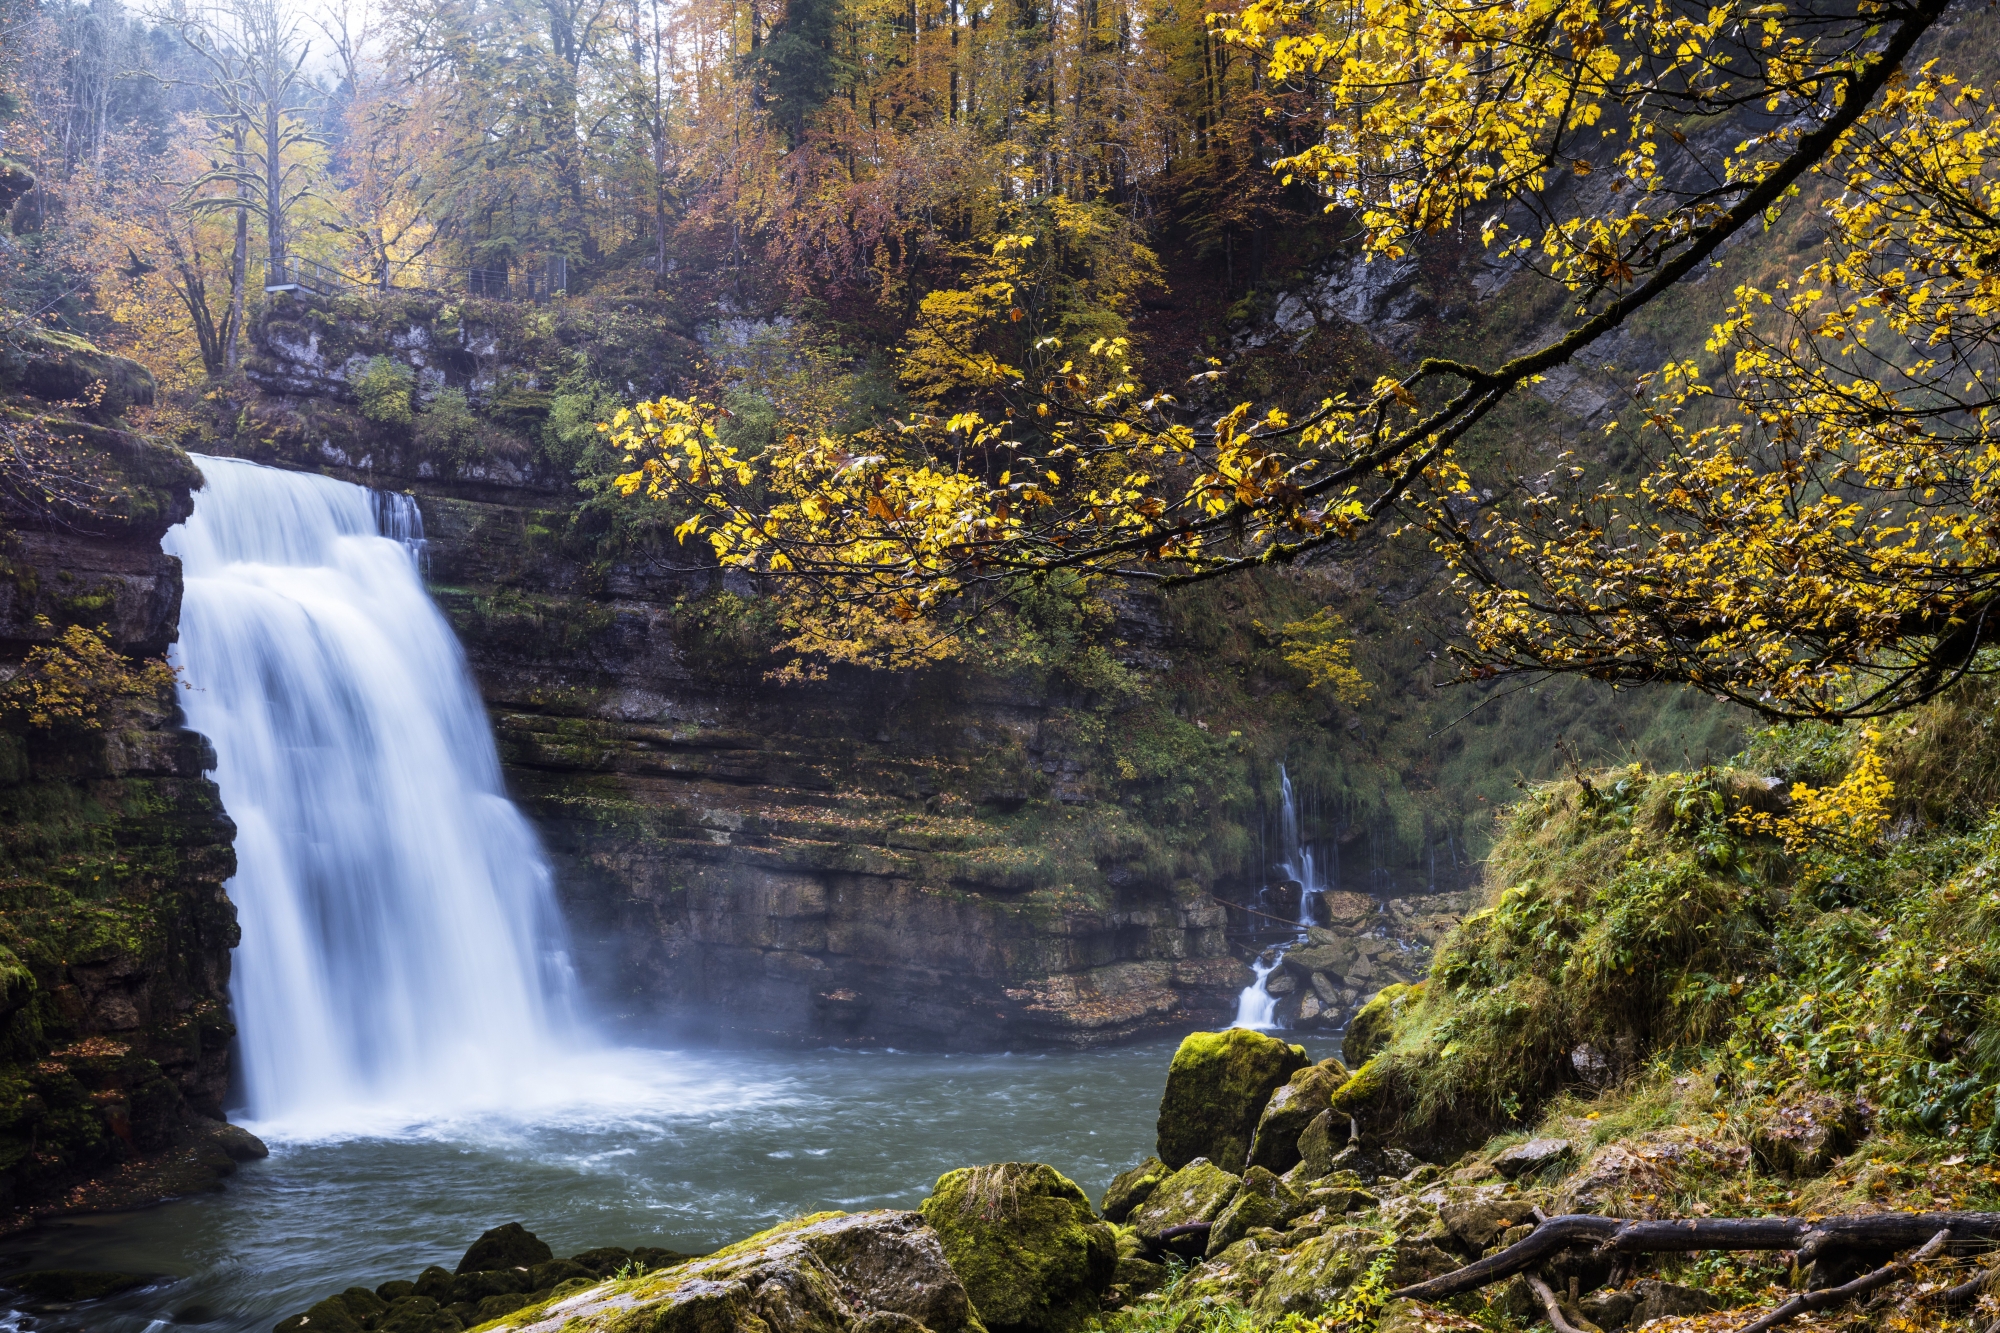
pixel 401 946
pixel 1295 858
pixel 1255 1006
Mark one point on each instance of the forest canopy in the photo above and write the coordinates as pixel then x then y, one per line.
pixel 979 195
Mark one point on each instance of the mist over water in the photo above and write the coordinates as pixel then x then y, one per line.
pixel 402 956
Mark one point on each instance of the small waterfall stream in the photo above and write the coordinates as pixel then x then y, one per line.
pixel 1255 1006
pixel 401 946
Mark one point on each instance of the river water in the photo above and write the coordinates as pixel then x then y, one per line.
pixel 684 1150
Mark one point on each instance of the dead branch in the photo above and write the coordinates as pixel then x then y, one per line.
pixel 1550 1305
pixel 1807 1301
pixel 1881 1232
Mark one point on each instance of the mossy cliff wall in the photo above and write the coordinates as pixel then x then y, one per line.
pixel 115 930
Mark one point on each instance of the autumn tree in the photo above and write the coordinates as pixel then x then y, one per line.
pixel 1818 538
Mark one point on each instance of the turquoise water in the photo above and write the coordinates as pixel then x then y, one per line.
pixel 683 1150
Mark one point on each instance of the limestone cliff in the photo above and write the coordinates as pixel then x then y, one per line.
pixel 114 928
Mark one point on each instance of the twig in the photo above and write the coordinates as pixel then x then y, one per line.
pixel 1550 1306
pixel 1239 907
pixel 1807 1301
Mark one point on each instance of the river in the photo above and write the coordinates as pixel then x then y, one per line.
pixel 685 1150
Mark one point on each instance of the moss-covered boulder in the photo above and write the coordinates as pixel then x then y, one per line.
pixel 1216 1090
pixel 1133 1188
pixel 1262 1200
pixel 1317 1273
pixel 1372 1025
pixel 346 1313
pixel 509 1246
pixel 1023 1238
pixel 1275 1147
pixel 417 1314
pixel 1198 1192
pixel 1322 1138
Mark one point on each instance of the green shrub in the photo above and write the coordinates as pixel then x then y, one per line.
pixel 448 432
pixel 384 388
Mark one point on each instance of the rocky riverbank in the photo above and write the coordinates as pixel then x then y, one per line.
pixel 1264 1203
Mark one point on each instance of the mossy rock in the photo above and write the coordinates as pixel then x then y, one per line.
pixel 344 1313
pixel 1290 1110
pixel 603 1261
pixel 1133 1188
pixel 417 1314
pixel 1217 1087
pixel 1198 1192
pixel 397 1290
pixel 1374 1023
pixel 492 1307
pixel 509 1246
pixel 434 1282
pixel 556 1271
pixel 67 1285
pixel 476 1287
pixel 1317 1145
pixel 1262 1200
pixel 1022 1238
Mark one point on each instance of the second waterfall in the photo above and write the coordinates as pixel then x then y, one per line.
pixel 401 946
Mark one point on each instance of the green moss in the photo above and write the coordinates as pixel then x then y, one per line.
pixel 1022 1237
pixel 1216 1090
pixel 1370 1028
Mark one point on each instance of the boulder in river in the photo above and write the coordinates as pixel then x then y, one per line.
pixel 1275 1146
pixel 1133 1188
pixel 1216 1090
pixel 1022 1236
pixel 509 1246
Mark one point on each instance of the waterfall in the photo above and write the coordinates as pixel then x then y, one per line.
pixel 401 945
pixel 1255 1006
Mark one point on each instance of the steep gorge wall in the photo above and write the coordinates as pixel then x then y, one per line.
pixel 115 929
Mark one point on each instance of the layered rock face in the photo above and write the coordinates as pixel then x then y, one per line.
pixel 854 862
pixel 115 930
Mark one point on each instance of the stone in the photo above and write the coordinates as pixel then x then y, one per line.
pixel 1480 1214
pixel 473 1288
pixel 1198 1192
pixel 1609 1308
pixel 1323 986
pixel 1807 1136
pixel 603 1261
pixel 396 1290
pixel 1654 1299
pixel 1318 1142
pixel 1527 1158
pixel 826 1273
pixel 1133 1188
pixel 555 1271
pixel 492 1307
pixel 68 1285
pixel 1313 1276
pixel 1022 1237
pixel 349 1312
pixel 1216 1090
pixel 1135 1277
pixel 1292 1108
pixel 1262 1200
pixel 435 1283
pixel 417 1314
pixel 508 1246
pixel 1373 1024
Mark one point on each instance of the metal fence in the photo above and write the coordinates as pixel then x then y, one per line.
pixel 538 283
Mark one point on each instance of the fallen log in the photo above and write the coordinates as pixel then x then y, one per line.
pixel 1812 1238
pixel 1188 1241
pixel 1807 1301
